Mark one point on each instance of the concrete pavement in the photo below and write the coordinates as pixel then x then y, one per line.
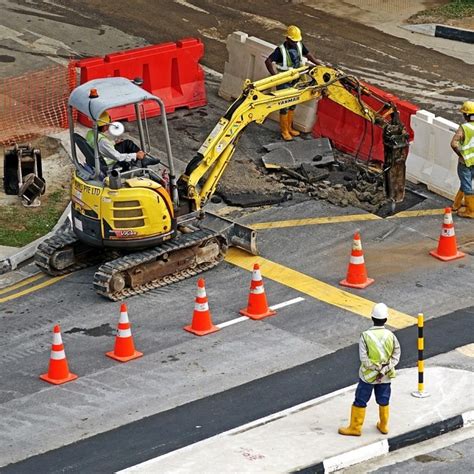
pixel 306 435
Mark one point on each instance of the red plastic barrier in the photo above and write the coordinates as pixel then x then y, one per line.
pixel 170 71
pixel 352 133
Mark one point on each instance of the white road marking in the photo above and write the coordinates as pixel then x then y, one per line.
pixel 274 307
pixel 286 303
pixel 232 321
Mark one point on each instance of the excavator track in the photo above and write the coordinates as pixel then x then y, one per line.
pixel 84 256
pixel 105 275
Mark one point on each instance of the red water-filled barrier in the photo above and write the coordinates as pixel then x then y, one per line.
pixel 352 133
pixel 170 71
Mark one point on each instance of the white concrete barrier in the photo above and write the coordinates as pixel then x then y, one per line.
pixel 247 56
pixel 431 160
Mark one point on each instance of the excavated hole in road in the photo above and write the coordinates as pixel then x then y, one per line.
pixel 342 183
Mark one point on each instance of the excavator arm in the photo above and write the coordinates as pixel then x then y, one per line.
pixel 257 101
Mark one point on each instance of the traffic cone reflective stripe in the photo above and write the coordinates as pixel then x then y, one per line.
pixel 356 271
pixel 201 323
pixel 124 349
pixel 58 370
pixel 447 247
pixel 257 306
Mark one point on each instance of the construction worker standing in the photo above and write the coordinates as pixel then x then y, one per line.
pixel 463 145
pixel 379 353
pixel 287 56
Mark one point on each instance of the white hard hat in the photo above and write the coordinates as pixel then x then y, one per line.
pixel 380 311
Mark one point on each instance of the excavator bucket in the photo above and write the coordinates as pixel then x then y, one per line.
pixel 237 235
pixel 396 144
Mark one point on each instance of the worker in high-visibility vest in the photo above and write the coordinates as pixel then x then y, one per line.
pixel 463 145
pixel 290 54
pixel 379 353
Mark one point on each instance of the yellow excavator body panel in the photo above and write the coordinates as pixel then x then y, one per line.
pixel 137 214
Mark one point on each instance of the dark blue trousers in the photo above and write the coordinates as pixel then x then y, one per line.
pixel 364 392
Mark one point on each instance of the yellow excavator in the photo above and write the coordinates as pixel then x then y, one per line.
pixel 147 232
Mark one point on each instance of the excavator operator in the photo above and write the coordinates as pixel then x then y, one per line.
pixel 287 56
pixel 122 153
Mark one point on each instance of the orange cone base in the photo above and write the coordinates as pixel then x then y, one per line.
pixel 447 259
pixel 266 314
pixel 58 381
pixel 135 355
pixel 366 283
pixel 201 333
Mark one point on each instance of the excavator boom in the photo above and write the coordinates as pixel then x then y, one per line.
pixel 257 101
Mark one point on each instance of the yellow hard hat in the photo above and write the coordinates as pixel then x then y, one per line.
pixel 294 33
pixel 104 119
pixel 468 107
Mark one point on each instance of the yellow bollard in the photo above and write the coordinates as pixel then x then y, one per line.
pixel 421 363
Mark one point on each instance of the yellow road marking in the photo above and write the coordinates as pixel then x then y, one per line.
pixel 419 213
pixel 315 221
pixel 24 282
pixel 314 288
pixel 467 350
pixel 32 288
pixel 339 219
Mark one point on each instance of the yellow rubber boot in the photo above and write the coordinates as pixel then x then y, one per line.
pixel 357 420
pixel 285 132
pixel 382 425
pixel 457 201
pixel 293 132
pixel 467 211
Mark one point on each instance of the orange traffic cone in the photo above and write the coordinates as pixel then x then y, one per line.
pixel 257 306
pixel 202 323
pixel 356 271
pixel 447 247
pixel 58 370
pixel 124 349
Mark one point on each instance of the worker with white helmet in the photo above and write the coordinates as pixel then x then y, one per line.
pixel 463 145
pixel 124 153
pixel 290 54
pixel 379 353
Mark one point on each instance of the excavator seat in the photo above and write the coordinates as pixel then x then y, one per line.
pixel 88 153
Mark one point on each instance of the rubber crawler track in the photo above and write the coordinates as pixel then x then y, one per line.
pixel 57 242
pixel 105 273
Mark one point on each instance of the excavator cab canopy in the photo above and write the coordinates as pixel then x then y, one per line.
pixel 100 95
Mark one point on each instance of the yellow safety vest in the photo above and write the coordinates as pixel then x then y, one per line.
pixel 467 148
pixel 101 136
pixel 380 344
pixel 286 63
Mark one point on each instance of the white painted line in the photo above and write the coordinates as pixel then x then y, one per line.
pixel 274 307
pixel 356 456
pixel 232 321
pixel 286 303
